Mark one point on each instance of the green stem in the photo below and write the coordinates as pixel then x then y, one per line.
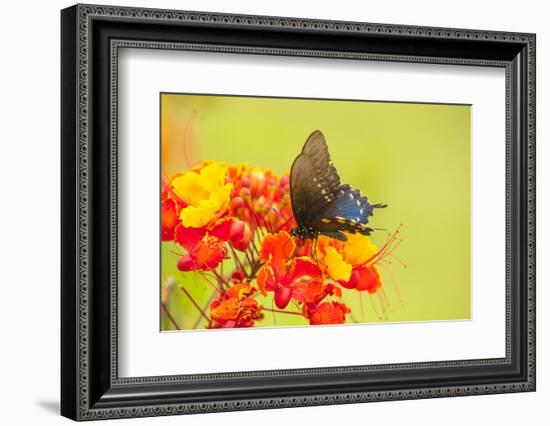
pixel 170 317
pixel 278 311
pixel 195 303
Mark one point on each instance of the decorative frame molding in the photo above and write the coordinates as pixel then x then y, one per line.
pixel 91 37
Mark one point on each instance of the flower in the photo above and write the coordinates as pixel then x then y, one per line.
pixel 281 273
pixel 364 278
pixel 205 192
pixel 218 211
pixel 313 292
pixel 205 249
pixel 260 198
pixel 206 254
pixel 235 307
pixel 327 313
pixel 352 263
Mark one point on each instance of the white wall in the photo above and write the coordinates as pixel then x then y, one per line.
pixel 29 216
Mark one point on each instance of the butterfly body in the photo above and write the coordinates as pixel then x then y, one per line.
pixel 320 203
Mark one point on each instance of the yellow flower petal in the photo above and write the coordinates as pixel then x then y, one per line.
pixel 358 249
pixel 189 188
pixel 205 192
pixel 207 210
pixel 213 176
pixel 336 267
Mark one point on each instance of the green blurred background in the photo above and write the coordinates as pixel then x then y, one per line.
pixel 413 157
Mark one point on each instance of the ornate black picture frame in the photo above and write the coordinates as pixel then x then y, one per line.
pixel 91 36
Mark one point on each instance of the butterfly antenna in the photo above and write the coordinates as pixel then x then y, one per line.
pixel 287 241
pixel 284 224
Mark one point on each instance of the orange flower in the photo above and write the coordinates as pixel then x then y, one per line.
pixel 235 307
pixel 340 257
pixel 312 292
pixel 281 272
pixel 352 263
pixel 206 254
pixel 205 250
pixel 327 313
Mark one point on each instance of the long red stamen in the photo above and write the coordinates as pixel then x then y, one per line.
pixel 374 307
pixel 393 281
pixel 187 141
pixel 385 247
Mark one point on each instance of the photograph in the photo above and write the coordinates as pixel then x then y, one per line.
pixel 263 209
pixel 281 212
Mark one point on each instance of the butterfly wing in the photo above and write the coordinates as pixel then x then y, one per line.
pixel 300 174
pixel 349 212
pixel 319 201
pixel 313 180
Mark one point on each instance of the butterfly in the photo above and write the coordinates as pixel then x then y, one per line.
pixel 320 203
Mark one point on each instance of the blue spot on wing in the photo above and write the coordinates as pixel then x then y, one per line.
pixel 351 205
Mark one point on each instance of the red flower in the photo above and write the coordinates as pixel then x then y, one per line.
pixel 235 308
pixel 283 273
pixel 205 255
pixel 364 278
pixel 204 252
pixel 327 313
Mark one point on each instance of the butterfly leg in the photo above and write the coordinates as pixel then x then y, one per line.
pixel 314 251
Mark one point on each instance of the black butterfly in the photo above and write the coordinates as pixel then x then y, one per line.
pixel 321 205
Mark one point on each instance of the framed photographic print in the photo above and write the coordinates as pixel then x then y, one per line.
pixel 263 212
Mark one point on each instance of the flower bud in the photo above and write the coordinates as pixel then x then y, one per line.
pixel 240 235
pixel 272 182
pixel 257 182
pixel 238 276
pixel 244 193
pixel 237 203
pixel 282 297
pixel 186 263
pixel 169 219
pixel 245 182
